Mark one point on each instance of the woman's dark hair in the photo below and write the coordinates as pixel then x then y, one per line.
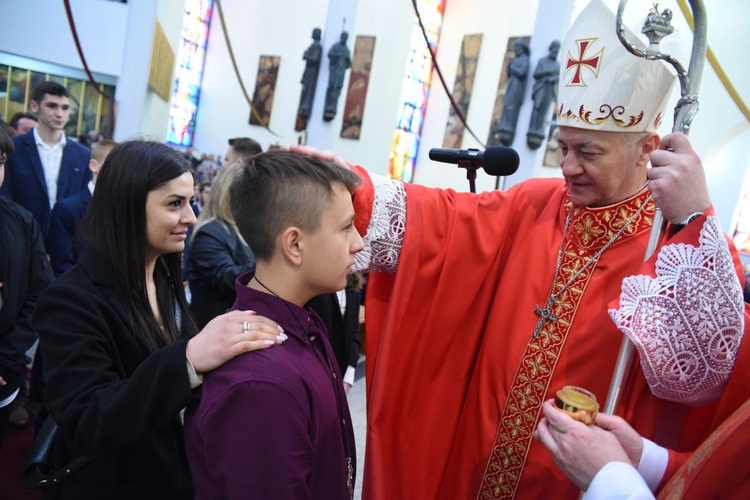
pixel 115 227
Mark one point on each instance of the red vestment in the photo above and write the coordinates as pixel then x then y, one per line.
pixel 719 468
pixel 455 379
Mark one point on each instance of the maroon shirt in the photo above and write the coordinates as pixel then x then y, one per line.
pixel 273 423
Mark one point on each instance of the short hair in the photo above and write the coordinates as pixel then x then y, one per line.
pixel 6 143
pixel 48 87
pixel 245 147
pixel 115 227
pixel 203 185
pixel 278 189
pixel 101 149
pixel 18 117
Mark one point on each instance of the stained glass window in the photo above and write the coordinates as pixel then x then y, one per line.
pixel 415 90
pixel 191 53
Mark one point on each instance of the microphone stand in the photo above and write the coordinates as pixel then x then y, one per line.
pixel 471 172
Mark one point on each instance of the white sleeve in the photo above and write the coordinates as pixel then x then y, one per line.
pixel 618 481
pixel 653 465
pixel 349 375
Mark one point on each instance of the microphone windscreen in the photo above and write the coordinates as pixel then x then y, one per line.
pixel 500 160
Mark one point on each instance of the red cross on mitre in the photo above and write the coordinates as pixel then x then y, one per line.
pixel 593 63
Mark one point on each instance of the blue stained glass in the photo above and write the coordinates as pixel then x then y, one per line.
pixel 415 91
pixel 191 54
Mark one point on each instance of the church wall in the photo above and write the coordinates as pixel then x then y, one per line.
pixel 39 30
pixel 256 27
pixel 156 110
pixel 496 21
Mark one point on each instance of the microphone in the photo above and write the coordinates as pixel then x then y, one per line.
pixel 495 160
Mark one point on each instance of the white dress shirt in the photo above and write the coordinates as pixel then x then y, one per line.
pixel 51 157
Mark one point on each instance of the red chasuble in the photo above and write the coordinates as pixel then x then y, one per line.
pixel 455 379
pixel 720 467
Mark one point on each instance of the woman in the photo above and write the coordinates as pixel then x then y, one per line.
pixel 218 254
pixel 119 345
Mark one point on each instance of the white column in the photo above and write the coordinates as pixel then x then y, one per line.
pixel 133 81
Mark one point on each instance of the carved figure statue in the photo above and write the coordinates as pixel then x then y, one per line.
pixel 340 60
pixel 312 58
pixel 518 70
pixel 544 93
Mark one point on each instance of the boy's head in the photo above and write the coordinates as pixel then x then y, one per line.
pixel 290 205
pixel 242 148
pixel 99 153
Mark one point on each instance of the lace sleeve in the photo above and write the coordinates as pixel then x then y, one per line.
pixel 385 234
pixel 687 323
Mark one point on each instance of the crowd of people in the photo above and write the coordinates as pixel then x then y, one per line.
pixel 198 324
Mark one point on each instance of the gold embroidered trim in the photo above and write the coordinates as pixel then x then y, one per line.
pixel 592 229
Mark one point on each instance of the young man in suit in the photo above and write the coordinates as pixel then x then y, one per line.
pixel 46 166
pixel 62 244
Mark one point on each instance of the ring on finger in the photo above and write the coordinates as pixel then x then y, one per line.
pixel 245 326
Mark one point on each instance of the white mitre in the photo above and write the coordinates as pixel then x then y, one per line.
pixel 605 87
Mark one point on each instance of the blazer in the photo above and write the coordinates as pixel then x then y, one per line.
pixel 24 274
pixel 112 399
pixel 343 331
pixel 63 244
pixel 217 257
pixel 25 182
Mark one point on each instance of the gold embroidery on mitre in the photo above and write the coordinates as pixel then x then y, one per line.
pixel 607 112
pixel 535 371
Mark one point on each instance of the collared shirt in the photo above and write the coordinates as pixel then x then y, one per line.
pixel 51 157
pixel 273 423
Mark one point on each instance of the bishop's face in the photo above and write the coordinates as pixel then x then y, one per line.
pixel 601 168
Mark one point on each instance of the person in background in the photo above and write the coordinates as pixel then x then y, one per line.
pixel 122 356
pixel 24 273
pixel 340 313
pixel 240 149
pixel 277 425
pixel 22 123
pixel 46 166
pixel 63 246
pixel 218 253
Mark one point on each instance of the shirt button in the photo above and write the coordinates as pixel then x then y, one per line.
pixel 312 338
pixel 334 375
pixel 343 421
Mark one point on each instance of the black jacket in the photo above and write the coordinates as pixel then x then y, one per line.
pixel 24 273
pixel 112 399
pixel 343 331
pixel 217 257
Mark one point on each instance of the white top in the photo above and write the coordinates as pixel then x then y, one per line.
pixel 51 157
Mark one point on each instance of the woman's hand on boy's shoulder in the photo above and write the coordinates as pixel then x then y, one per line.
pixel 230 335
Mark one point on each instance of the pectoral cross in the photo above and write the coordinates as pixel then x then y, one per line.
pixel 545 315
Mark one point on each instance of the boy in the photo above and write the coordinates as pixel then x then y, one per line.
pixel 62 245
pixel 277 425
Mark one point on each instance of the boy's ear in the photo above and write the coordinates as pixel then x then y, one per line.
pixel 291 245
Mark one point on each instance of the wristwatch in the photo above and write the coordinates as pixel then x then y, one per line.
pixel 690 218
